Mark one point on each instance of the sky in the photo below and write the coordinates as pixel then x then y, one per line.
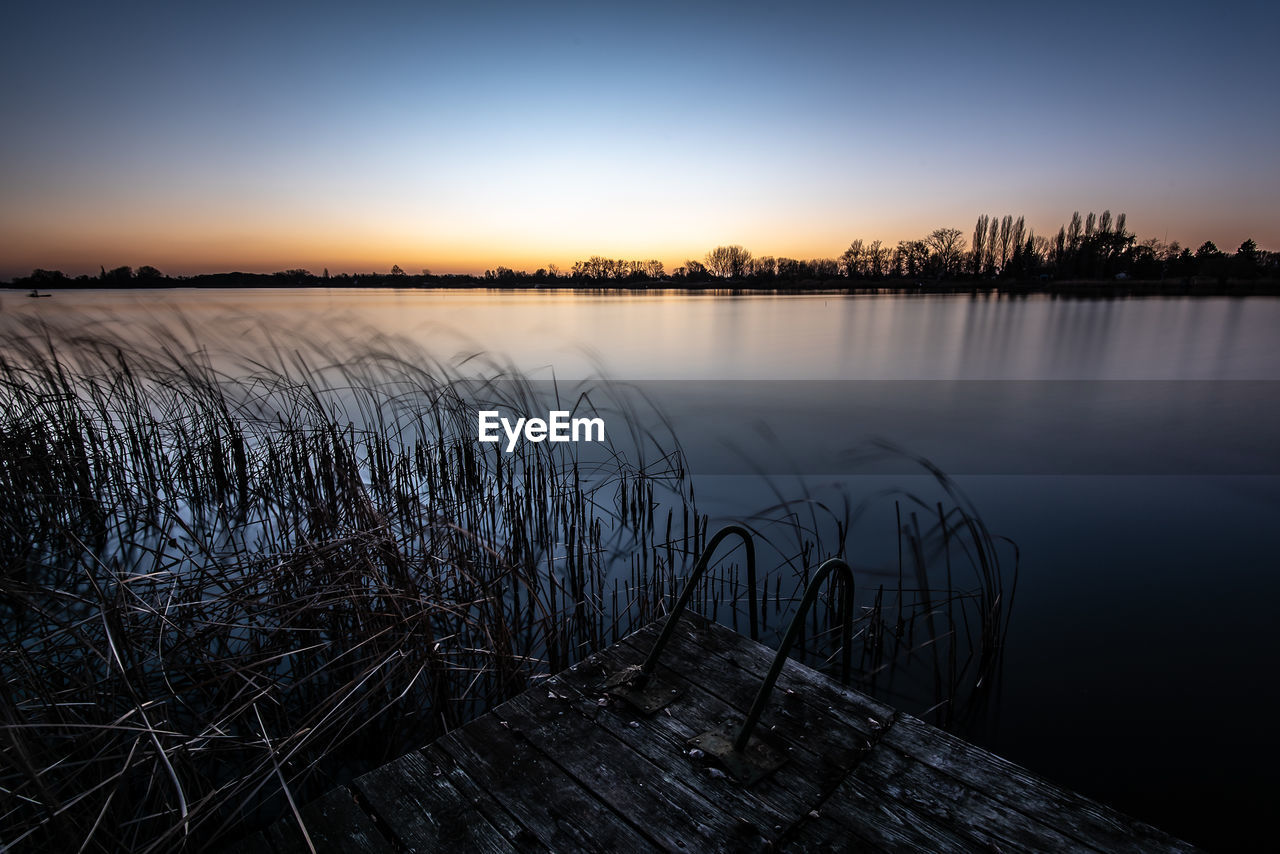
pixel 462 136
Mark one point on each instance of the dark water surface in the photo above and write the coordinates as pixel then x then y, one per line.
pixel 1130 448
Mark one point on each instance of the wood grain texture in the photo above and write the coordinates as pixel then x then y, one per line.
pixel 563 767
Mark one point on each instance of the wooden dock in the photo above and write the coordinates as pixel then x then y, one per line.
pixel 563 768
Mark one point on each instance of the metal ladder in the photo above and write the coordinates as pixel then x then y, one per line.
pixel 744 760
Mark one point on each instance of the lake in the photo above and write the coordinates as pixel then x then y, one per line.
pixel 1127 446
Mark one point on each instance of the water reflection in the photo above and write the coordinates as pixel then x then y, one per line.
pixel 678 335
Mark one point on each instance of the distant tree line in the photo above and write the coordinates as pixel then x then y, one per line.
pixel 1002 249
pixel 596 269
pixel 1090 248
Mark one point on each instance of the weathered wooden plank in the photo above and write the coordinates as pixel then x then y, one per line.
pixel 871 822
pixel 563 768
pixel 859 818
pixel 822 749
pixel 710 643
pixel 549 804
pixel 334 822
pixel 696 638
pixel 838 740
pixel 947 802
pixel 1070 813
pixel 420 800
pixel 665 810
pixel 774 802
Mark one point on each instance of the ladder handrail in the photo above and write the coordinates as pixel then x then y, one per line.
pixel 797 622
pixel 699 568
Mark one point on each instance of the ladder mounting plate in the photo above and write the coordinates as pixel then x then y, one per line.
pixel 748 766
pixel 644 695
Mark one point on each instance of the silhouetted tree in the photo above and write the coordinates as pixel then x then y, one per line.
pixel 829 268
pixel 1211 261
pixel 1019 236
pixel 1246 263
pixel 118 276
pixel 913 258
pixel 1074 236
pixel 695 271
pixel 728 262
pixel 877 260
pixel 947 246
pixel 297 276
pixel 1041 249
pixel 991 256
pixel 851 260
pixel 979 244
pixel 765 267
pixel 1005 244
pixel 47 278
pixel 790 268
pixel 1185 264
pixel 618 269
pixel 1023 263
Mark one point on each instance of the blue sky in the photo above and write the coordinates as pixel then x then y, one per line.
pixel 458 137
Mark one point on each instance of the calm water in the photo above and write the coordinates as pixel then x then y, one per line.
pixel 1129 447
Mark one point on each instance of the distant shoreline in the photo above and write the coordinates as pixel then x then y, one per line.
pixel 1195 286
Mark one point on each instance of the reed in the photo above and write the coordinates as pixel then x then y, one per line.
pixel 224 591
pixel 229 585
pixel 930 630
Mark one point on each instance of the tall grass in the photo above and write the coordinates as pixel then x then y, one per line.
pixel 230 584
pixel 223 591
pixel 931 626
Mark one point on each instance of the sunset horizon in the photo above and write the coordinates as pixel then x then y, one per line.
pixel 459 141
pixel 194 257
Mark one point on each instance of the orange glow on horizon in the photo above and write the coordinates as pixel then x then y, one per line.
pixel 268 241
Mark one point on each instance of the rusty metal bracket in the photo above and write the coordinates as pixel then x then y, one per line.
pixel 738 757
pixel 644 695
pixel 748 766
pixel 632 684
